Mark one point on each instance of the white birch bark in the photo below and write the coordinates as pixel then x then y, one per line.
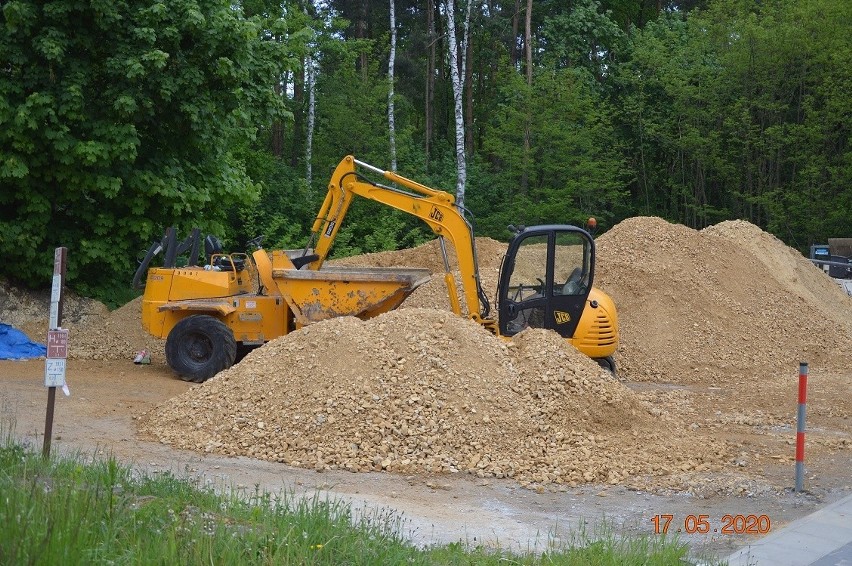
pixel 391 124
pixel 461 161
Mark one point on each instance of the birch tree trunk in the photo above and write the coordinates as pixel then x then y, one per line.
pixel 391 125
pixel 298 112
pixel 461 161
pixel 467 79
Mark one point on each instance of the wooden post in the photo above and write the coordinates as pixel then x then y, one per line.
pixel 54 371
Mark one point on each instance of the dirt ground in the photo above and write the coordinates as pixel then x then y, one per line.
pixel 498 443
pixel 108 397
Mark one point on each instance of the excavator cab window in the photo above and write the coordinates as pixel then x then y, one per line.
pixel 546 278
pixel 527 288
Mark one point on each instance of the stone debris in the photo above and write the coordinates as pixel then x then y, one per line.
pixel 117 335
pixel 424 391
pixel 713 305
pixel 418 390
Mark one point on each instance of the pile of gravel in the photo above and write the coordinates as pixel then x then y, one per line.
pixel 424 391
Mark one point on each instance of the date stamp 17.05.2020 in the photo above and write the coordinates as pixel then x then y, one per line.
pixel 703 524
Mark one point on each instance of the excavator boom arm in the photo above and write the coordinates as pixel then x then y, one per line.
pixel 436 208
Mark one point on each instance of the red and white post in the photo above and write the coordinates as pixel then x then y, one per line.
pixel 800 426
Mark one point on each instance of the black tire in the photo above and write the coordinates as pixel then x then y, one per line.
pixel 243 351
pixel 199 347
pixel 608 363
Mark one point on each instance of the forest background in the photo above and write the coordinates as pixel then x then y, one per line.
pixel 120 118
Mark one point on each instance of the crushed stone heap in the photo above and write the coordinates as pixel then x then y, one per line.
pixel 117 335
pixel 424 391
pixel 30 310
pixel 727 301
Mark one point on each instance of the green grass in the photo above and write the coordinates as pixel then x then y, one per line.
pixel 76 511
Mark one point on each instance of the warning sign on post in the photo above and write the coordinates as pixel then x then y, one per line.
pixel 57 343
pixel 57 352
pixel 54 373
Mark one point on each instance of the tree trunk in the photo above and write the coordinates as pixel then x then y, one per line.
pixel 361 33
pixel 467 77
pixel 513 49
pixel 430 78
pixel 468 80
pixel 309 141
pixel 391 126
pixel 525 181
pixel 461 162
pixel 298 112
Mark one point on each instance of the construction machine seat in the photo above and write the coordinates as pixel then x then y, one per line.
pixel 575 285
pixel 212 246
pixel 213 250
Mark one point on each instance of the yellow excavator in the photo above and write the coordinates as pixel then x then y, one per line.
pixel 206 311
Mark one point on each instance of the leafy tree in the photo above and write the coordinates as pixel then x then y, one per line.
pixel 740 111
pixel 577 168
pixel 118 119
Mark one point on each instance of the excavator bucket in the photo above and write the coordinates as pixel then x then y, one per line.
pixel 345 291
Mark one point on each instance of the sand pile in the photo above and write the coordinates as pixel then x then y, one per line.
pixel 117 335
pixel 433 294
pixel 700 307
pixel 792 270
pixel 95 332
pixel 428 256
pixel 731 300
pixel 423 391
pixel 29 310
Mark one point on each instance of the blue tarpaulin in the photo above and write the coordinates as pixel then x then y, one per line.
pixel 15 345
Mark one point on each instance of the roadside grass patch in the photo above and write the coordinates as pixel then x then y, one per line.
pixel 74 510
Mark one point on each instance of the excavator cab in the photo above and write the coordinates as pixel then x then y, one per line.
pixel 546 279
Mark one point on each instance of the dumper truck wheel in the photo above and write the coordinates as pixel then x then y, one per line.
pixel 199 347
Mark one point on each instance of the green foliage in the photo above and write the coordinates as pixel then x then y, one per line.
pixel 573 168
pixel 118 119
pixel 584 37
pixel 739 112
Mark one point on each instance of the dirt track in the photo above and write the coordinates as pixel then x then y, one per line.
pixel 713 325
pixel 107 399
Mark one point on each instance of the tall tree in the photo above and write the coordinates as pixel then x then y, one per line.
pixel 391 60
pixel 452 46
pixel 528 49
pixel 429 95
pixel 119 118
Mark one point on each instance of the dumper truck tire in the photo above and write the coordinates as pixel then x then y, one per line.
pixel 199 347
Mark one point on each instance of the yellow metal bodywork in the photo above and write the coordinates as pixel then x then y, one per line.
pixel 345 291
pixel 173 294
pixel 436 208
pixel 597 332
pixel 287 298
pixel 271 297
